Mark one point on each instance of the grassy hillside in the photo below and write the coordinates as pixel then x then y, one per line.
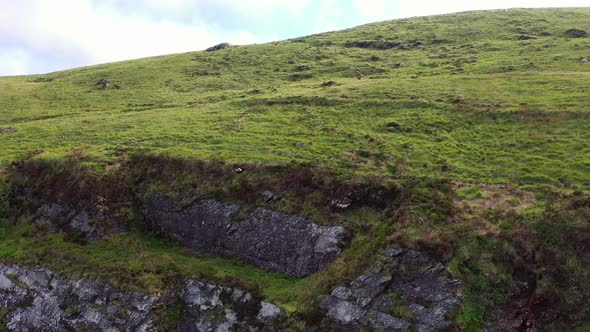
pixel 469 97
pixel 482 117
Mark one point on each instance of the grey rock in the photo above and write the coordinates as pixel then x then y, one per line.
pixel 7 130
pixel 343 293
pixel 342 312
pixel 268 239
pixel 103 83
pixel 49 303
pixel 218 47
pixel 584 60
pixel 66 219
pixel 403 278
pixel 269 313
pixel 393 252
pixel 42 301
pixel 379 320
pixel 268 196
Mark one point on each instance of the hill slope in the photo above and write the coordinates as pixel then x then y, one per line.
pixel 468 94
pixel 481 118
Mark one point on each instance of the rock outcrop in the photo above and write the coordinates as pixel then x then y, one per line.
pixel 36 299
pixel 7 130
pixel 218 47
pixel 268 239
pixel 406 289
pixel 69 220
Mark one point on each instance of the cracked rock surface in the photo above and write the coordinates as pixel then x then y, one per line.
pixel 407 289
pixel 36 299
pixel 268 239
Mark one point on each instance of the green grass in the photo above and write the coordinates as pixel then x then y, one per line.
pixel 474 99
pixel 137 260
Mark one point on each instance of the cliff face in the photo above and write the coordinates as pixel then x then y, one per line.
pixel 268 239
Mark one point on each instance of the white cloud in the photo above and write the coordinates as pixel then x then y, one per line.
pixel 14 62
pixel 76 29
pixel 378 10
pixel 433 7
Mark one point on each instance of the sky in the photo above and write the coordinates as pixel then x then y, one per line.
pixel 40 36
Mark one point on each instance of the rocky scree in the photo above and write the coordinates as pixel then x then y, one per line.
pixel 406 289
pixel 36 299
pixel 268 239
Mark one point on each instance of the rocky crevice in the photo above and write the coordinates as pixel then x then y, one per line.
pixel 268 239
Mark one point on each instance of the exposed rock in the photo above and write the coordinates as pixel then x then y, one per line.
pixel 216 308
pixel 269 313
pixel 69 220
pixel 7 130
pixel 218 47
pixel 328 84
pixel 525 37
pixel 36 299
pixel 576 33
pixel 379 45
pixel 584 60
pixel 405 281
pixel 302 68
pixel 341 203
pixel 268 239
pixel 103 83
pixel 268 196
pixel 239 170
pixel 393 126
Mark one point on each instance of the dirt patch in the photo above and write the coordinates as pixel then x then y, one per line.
pixel 475 199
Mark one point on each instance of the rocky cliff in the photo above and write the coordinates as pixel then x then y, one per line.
pixel 268 239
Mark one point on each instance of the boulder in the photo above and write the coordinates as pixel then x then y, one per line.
pixel 218 47
pixel 103 83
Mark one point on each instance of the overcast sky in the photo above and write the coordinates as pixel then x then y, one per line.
pixel 39 36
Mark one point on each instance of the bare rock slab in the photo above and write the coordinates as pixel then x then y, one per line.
pixel 268 239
